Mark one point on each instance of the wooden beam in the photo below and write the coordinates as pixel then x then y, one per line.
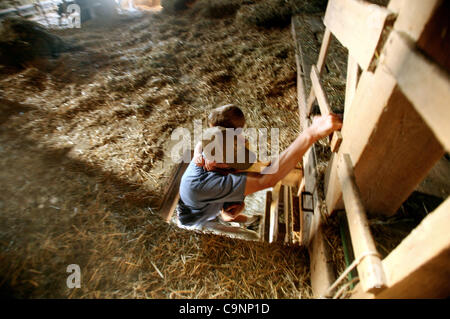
pixel 322 275
pixel 172 195
pixel 324 106
pixel 427 24
pixel 437 182
pixel 273 230
pixel 358 25
pixel 332 187
pixel 321 272
pixel 437 47
pixel 288 214
pixel 413 15
pixel 293 178
pixel 422 82
pixel 301 90
pixel 370 270
pixel 231 231
pixel 306 221
pixel 267 216
pixel 301 187
pixel 310 169
pixel 336 141
pixel 326 41
pixel 352 82
pixel 411 274
pixel 392 148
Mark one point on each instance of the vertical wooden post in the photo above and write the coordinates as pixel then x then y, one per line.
pixel 386 138
pixel 352 82
pixel 370 270
pixel 419 267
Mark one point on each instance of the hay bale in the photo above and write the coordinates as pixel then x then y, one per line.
pixel 217 10
pixel 268 14
pixel 172 6
pixel 277 13
pixel 23 41
pixel 308 6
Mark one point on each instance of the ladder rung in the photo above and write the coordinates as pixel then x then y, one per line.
pixel 320 64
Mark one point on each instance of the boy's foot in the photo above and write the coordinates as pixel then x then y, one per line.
pixel 252 220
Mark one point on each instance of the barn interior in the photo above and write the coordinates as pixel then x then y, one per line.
pixel 92 91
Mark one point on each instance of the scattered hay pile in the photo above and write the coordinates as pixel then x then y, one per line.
pixel 57 211
pixel 23 41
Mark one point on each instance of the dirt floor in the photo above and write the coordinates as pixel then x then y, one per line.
pixel 84 142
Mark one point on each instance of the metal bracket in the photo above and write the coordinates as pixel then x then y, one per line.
pixel 304 200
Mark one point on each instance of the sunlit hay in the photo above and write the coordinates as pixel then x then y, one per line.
pixel 216 9
pixel 268 14
pixel 173 6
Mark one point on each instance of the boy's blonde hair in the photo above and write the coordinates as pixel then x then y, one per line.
pixel 228 116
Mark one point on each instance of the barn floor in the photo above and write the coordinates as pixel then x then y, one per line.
pixel 84 142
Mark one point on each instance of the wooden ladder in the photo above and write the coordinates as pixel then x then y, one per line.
pixel 347 21
pixel 389 82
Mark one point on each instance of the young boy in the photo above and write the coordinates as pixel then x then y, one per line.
pixel 204 191
pixel 226 116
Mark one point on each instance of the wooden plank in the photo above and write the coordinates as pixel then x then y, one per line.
pixel 326 41
pixel 391 147
pixel 296 214
pixel 419 275
pixel 332 187
pixel 370 270
pixel 437 47
pixel 288 214
pixel 437 182
pixel 413 15
pixel 301 91
pixel 322 275
pixel 231 231
pixel 324 106
pixel 306 220
pixel 352 82
pixel 358 25
pixel 273 230
pixel 427 24
pixel 310 170
pixel 267 216
pixel 336 141
pixel 301 187
pixel 422 82
pixel 172 196
pixel 293 178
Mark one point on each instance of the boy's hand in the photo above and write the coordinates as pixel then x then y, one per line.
pixel 324 125
pixel 212 166
pixel 199 160
pixel 233 210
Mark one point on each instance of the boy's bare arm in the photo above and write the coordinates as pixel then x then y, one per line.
pixel 322 126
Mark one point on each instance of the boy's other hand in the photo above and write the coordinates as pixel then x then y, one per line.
pixel 199 160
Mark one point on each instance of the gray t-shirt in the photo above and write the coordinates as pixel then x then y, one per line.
pixel 204 193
